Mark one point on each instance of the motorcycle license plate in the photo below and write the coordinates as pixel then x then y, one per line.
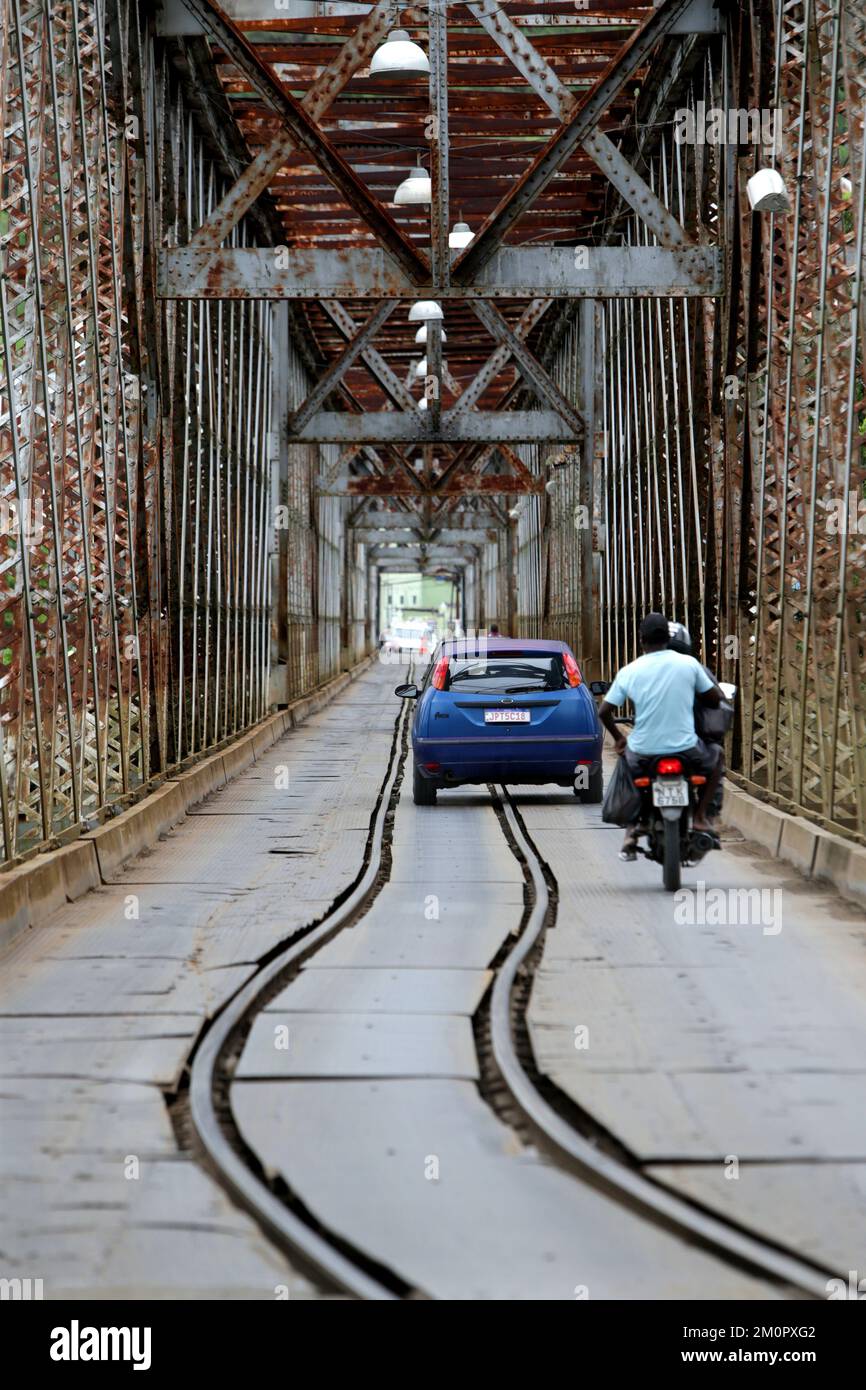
pixel 671 793
pixel 506 716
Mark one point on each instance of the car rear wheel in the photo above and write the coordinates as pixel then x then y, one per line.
pixel 423 792
pixel 592 794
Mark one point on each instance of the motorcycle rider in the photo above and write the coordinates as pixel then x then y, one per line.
pixel 710 727
pixel 663 685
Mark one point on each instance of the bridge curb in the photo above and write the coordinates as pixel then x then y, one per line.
pixel 818 854
pixel 29 892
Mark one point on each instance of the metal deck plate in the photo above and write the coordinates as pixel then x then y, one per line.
pixel 383 991
pixel 495 1223
pixel 364 1044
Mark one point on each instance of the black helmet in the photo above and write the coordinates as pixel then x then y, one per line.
pixel 680 639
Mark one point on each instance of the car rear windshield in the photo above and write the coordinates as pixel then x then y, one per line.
pixel 514 674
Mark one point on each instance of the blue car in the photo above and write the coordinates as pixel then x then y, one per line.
pixel 504 709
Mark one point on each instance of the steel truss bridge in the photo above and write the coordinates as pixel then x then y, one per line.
pixel 212 435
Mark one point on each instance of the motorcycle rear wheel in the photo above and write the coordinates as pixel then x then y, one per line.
pixel 671 866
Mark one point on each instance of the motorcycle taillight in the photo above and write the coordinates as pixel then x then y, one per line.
pixel 667 766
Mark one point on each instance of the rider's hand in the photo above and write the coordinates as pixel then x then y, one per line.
pixel 620 744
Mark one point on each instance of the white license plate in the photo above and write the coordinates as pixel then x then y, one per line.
pixel 506 716
pixel 670 793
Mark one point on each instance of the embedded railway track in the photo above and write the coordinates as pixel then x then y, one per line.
pixel 523 1098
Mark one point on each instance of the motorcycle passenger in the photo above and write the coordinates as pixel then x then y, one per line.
pixel 663 685
pixel 711 727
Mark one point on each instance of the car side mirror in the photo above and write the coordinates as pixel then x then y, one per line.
pixel 407 692
pixel 599 687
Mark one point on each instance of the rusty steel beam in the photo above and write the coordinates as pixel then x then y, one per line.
pixel 448 535
pixel 307 135
pixel 498 360
pixel 636 192
pixel 525 57
pixel 435 376
pixel 393 427
pixel 440 256
pixel 338 368
pixel 532 371
pixel 581 123
pixel 404 467
pixel 353 53
pixel 462 485
pixel 546 84
pixel 452 521
pixel 555 272
pixel 373 360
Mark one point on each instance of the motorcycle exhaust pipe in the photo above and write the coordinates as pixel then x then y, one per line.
pixel 701 844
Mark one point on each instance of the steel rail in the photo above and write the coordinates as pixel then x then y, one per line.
pixel 581 1157
pixel 627 1184
pixel 287 1229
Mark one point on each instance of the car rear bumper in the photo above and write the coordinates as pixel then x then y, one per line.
pixel 506 758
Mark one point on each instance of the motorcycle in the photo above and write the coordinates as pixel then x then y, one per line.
pixel 669 800
pixel 669 797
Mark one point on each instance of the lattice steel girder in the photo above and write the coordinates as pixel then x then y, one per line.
pixel 353 53
pixel 636 191
pixel 460 485
pixel 396 427
pixel 331 378
pixel 395 567
pixel 546 84
pixel 563 272
pixel 498 359
pixel 373 360
pixel 446 536
pixel 308 136
pixel 531 370
pixel 404 521
pixel 431 552
pixel 582 121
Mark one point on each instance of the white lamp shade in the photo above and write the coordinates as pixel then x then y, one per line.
pixel 767 192
pixel 422 404
pixel 399 58
pixel 415 189
pixel 460 235
pixel 421 335
pixel 421 368
pixel 425 309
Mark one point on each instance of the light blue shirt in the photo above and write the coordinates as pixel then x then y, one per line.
pixel 662 687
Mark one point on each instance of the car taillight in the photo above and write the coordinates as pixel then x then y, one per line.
pixel 667 766
pixel 571 669
pixel 440 673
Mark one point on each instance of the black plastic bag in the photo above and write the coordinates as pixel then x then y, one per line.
pixel 712 722
pixel 621 797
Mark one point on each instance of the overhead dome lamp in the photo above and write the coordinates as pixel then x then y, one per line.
pixel 460 235
pixel 414 190
pixel 421 335
pixel 421 368
pixel 423 310
pixel 767 192
pixel 399 59
pixel 422 404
